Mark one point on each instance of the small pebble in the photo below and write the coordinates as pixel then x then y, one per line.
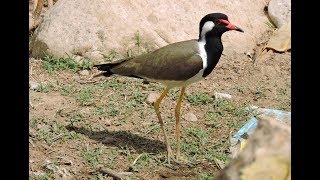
pixel 190 117
pixel 33 85
pixel 152 97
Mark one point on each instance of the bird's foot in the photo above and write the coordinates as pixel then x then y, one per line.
pixel 169 154
pixel 180 161
pixel 170 157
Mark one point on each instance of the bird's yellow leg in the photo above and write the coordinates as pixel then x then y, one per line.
pixel 156 107
pixel 177 114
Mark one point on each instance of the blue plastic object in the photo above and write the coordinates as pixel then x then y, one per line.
pixel 247 128
pixel 251 125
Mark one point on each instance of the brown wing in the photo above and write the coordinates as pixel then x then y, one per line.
pixel 178 61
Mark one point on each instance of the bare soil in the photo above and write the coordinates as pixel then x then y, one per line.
pixel 76 125
pixel 63 146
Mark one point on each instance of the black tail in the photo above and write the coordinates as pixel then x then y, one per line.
pixel 104 67
pixel 108 66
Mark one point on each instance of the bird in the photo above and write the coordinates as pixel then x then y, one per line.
pixel 176 65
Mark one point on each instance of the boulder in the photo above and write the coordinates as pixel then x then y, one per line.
pixel 266 154
pixel 279 12
pixel 96 27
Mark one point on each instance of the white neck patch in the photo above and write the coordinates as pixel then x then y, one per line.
pixel 208 26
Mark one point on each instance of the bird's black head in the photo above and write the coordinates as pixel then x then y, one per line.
pixel 215 24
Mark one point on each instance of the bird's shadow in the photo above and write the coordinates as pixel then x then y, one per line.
pixel 121 139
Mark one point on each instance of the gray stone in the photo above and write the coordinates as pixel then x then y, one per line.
pixel 222 95
pixel 33 85
pixel 84 73
pixel 152 97
pixel 78 59
pixel 88 28
pixel 190 117
pixel 280 12
pixel 94 55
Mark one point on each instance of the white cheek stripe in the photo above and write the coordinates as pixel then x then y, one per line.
pixel 208 26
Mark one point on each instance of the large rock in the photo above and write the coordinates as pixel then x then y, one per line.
pixel 89 28
pixel 266 155
pixel 280 12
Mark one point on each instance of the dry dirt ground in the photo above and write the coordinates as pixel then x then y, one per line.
pixel 77 125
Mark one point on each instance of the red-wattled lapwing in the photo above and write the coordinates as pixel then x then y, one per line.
pixel 177 65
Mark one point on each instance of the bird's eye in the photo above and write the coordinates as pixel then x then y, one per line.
pixel 222 21
pixel 218 22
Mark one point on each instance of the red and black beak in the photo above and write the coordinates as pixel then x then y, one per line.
pixel 230 26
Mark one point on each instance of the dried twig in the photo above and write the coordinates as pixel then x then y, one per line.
pixel 111 173
pixel 85 81
pixel 57 137
pixel 31 105
pixel 31 142
pixel 50 3
pixel 125 173
pixel 64 161
pixel 135 161
pixel 35 3
pixel 220 164
pixel 38 5
pixel 131 167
